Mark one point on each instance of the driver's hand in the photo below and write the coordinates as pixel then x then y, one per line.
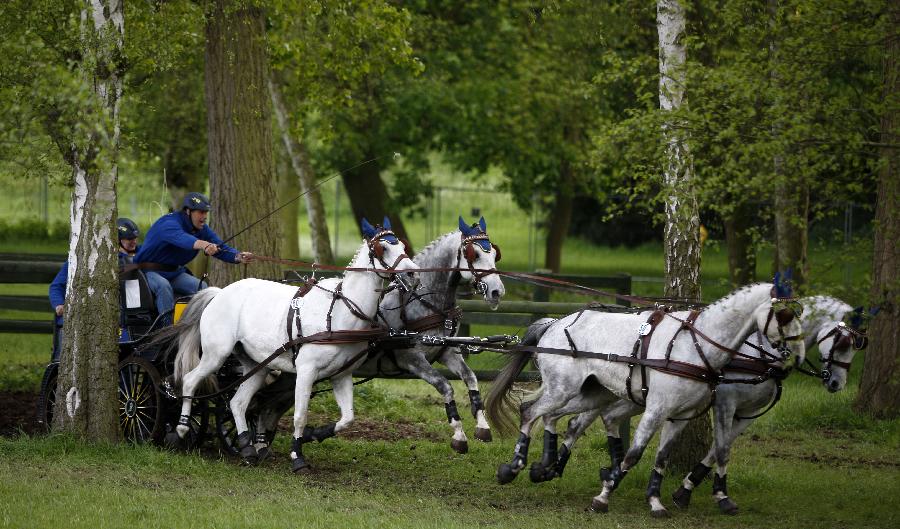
pixel 245 257
pixel 60 309
pixel 211 249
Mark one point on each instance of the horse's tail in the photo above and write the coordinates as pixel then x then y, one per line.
pixel 499 405
pixel 186 334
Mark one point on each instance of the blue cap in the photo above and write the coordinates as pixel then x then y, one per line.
pixel 196 200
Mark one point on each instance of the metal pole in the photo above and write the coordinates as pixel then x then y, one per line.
pixel 531 234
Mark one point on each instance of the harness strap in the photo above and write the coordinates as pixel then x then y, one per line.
pixel 293 316
pixel 639 351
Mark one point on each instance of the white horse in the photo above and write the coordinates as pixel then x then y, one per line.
pixel 573 385
pixel 464 255
pixel 251 318
pixel 737 405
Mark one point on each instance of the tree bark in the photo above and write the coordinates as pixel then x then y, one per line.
pixel 879 388
pixel 87 405
pixel 288 188
pixel 791 228
pixel 741 253
pixel 369 197
pixel 241 165
pixel 681 238
pixel 315 208
pixel 560 218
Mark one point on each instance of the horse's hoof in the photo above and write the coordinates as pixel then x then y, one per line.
pixel 263 454
pixel 728 507
pixel 682 497
pixel 599 506
pixel 659 513
pixel 300 466
pixel 461 447
pixel 506 474
pixel 249 455
pixel 539 473
pixel 483 434
pixel 173 442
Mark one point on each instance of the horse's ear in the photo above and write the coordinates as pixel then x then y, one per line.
pixel 463 227
pixel 483 225
pixel 386 223
pixel 367 229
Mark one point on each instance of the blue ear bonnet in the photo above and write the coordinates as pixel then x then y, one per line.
pixel 856 318
pixel 480 228
pixel 783 285
pixel 370 231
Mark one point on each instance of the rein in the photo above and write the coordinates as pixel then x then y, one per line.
pixel 526 277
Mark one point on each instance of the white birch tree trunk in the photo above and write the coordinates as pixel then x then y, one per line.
pixel 681 238
pixel 86 392
pixel 315 208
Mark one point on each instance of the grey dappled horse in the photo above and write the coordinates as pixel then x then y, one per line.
pixel 736 406
pixel 573 385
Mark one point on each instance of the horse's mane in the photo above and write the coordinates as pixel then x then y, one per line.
pixel 735 292
pixel 433 244
pixel 361 248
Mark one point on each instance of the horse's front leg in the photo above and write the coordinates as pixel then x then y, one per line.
pixel 302 393
pixel 547 403
pixel 239 403
pixel 649 424
pixel 723 414
pixel 670 432
pixel 416 363
pixel 723 453
pixel 455 363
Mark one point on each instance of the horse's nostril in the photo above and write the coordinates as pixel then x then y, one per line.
pixel 833 384
pixel 495 294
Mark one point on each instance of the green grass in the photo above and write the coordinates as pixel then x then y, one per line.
pixel 786 472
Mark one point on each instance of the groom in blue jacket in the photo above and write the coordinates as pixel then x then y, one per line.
pixel 172 242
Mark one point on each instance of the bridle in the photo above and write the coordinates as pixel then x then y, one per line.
pixel 467 250
pixel 843 337
pixel 783 310
pixel 376 252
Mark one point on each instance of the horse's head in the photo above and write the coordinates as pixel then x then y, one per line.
pixel 838 343
pixel 477 259
pixel 387 253
pixel 779 320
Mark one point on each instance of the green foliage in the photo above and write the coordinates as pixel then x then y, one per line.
pixel 800 85
pixel 33 229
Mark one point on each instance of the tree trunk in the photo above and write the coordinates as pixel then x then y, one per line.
pixel 879 388
pixel 791 214
pixel 741 253
pixel 241 166
pixel 315 208
pixel 369 197
pixel 288 188
pixel 560 218
pixel 681 238
pixel 87 405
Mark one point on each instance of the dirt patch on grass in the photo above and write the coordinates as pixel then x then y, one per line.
pixel 372 430
pixel 17 413
pixel 836 460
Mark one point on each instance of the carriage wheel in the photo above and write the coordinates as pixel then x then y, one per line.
pixel 47 399
pixel 140 406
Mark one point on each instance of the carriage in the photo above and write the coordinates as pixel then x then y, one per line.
pixel 148 406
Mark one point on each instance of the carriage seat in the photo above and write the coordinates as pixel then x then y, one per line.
pixel 137 304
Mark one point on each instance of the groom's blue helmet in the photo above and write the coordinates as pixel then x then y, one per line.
pixel 196 200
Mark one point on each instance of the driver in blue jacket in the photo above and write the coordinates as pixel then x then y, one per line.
pixel 172 242
pixel 128 234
